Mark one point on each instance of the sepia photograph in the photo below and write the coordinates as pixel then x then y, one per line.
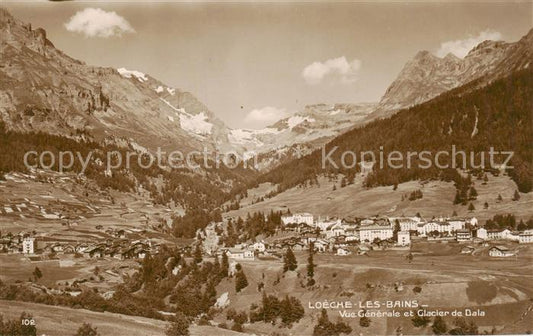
pixel 266 168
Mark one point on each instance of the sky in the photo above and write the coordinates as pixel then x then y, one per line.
pixel 253 63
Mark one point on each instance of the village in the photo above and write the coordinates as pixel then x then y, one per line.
pixel 335 236
pixel 345 237
pixel 118 247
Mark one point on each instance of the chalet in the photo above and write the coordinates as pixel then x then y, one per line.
pixel 343 251
pixel 363 250
pixel 500 251
pixel 320 246
pixel 69 249
pixel 463 235
pixel 525 237
pixel 259 247
pixel 467 250
pixel 141 253
pixel 121 233
pixel 240 254
pixel 58 248
pixel 95 252
pixel 28 245
pixel 81 248
pixel 176 270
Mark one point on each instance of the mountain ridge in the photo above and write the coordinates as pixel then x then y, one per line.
pixel 426 75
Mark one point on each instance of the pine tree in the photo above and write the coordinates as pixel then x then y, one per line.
pixel 471 207
pixel 364 322
pixel 516 195
pixel 472 193
pixel 86 329
pixel 240 280
pixel 439 326
pixel 37 274
pixel 289 261
pixel 291 310
pixel 311 265
pixel 179 327
pixel 224 267
pixel 198 254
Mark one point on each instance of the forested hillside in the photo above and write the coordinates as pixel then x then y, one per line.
pixel 498 115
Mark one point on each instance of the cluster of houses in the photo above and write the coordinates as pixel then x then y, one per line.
pixel 344 237
pixel 117 247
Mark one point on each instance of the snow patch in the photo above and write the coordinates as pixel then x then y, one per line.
pixel 475 130
pixel 141 77
pixel 297 120
pixel 171 118
pixel 240 136
pixel 159 89
pixel 196 124
pixel 172 91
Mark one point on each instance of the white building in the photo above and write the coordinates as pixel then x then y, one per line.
pixel 481 233
pixel 404 238
pixel 335 230
pixel 239 254
pixel 371 232
pixel 342 251
pixel 500 251
pixel 463 235
pixel 407 223
pixel 28 245
pixel 323 225
pixel 457 224
pixel 320 245
pixel 498 234
pixel 440 227
pixel 298 218
pixel 259 247
pixel 525 237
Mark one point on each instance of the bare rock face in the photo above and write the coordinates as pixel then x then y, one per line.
pixel 42 89
pixel 426 75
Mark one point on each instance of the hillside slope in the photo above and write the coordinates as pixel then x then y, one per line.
pixel 473 119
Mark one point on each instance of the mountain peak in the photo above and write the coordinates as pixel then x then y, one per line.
pixel 486 47
pixel 424 54
pixel 426 75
